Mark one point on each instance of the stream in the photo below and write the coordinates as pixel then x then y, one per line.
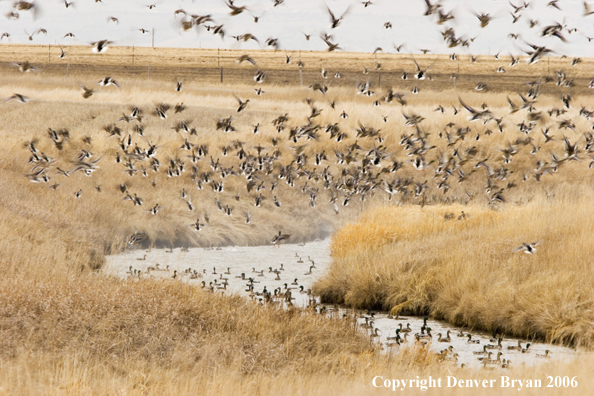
pixel 297 267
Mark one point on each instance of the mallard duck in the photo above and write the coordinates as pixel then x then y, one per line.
pixel 486 358
pixel 424 323
pixel 334 21
pixel 494 338
pixel 421 74
pixel 279 238
pixel 498 346
pixel 87 92
pixel 447 350
pixel 423 336
pixel 446 339
pixel 368 324
pixel 483 352
pixel 471 341
pixel 18 97
pixel 451 358
pixel 528 248
pixel 396 337
pixel 515 347
pixel 496 360
pixel 100 46
pixel 108 81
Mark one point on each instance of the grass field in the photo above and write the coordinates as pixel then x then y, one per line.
pixel 68 330
pixel 204 66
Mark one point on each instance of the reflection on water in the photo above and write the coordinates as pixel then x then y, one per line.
pixel 296 268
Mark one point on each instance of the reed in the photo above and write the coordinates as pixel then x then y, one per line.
pixel 68 329
pixel 465 271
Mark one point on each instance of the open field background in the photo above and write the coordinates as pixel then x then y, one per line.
pixel 108 332
pixel 204 66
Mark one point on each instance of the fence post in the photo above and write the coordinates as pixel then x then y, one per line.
pixel 49 52
pixel 548 67
pixel 149 70
pixel 153 39
pixel 132 54
pixel 221 74
pixel 301 77
pixel 67 69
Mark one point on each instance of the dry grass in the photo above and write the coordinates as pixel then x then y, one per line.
pixel 107 221
pixel 412 260
pixel 104 336
pixel 65 330
pixel 122 324
pixel 203 66
pixel 269 59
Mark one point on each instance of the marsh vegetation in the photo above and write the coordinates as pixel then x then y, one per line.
pixel 442 203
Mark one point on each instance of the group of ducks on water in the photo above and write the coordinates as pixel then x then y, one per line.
pixel 285 296
pixel 279 294
pixel 425 338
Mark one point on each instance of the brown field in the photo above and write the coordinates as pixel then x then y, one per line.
pixel 204 66
pixel 68 329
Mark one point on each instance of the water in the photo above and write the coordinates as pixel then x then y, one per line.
pixel 255 262
pixel 296 267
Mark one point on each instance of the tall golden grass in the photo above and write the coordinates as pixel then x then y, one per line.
pixel 104 336
pixel 413 260
pixel 107 336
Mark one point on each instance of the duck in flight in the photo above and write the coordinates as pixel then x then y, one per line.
pixel 279 238
pixel 528 248
pixel 100 46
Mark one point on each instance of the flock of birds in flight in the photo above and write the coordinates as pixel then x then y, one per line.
pixel 324 160
pixel 425 167
pixel 187 21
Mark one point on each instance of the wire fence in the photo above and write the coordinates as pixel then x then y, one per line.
pixel 384 71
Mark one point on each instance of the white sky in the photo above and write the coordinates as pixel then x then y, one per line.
pixel 362 29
